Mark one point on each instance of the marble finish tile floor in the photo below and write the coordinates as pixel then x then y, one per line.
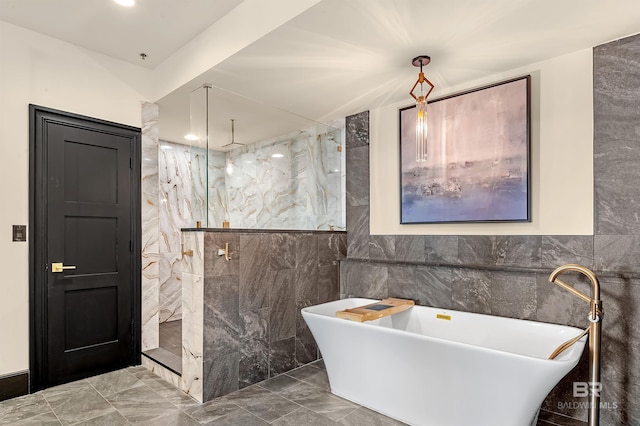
pixel 136 396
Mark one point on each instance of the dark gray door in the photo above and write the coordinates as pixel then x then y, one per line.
pixel 87 209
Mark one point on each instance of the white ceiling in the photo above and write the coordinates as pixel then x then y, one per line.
pixel 337 57
pixel 155 27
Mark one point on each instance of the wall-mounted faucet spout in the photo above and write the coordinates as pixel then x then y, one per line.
pixel 595 319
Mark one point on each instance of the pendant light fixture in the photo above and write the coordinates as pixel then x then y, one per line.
pixel 421 107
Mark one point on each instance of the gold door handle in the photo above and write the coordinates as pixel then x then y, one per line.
pixel 59 267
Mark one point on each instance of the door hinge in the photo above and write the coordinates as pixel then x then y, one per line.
pixel 130 163
pixel 130 246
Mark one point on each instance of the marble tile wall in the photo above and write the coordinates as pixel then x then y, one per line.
pixel 192 297
pixel 182 173
pixel 290 182
pixel 176 211
pixel 300 190
pixel 508 275
pixel 252 328
pixel 150 223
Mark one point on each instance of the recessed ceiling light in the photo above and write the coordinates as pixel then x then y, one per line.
pixel 127 3
pixel 191 137
pixel 277 155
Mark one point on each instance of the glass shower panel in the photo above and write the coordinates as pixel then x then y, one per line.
pixel 275 170
pixel 199 102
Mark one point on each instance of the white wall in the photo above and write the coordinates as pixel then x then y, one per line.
pixel 40 70
pixel 561 150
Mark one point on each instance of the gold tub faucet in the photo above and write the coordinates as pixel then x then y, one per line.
pixel 595 319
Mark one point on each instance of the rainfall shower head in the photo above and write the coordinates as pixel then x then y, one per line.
pixel 233 136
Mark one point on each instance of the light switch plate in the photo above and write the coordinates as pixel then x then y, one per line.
pixel 19 232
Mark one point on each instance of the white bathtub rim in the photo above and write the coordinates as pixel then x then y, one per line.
pixel 562 358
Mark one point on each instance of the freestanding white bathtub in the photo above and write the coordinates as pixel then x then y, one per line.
pixel 471 370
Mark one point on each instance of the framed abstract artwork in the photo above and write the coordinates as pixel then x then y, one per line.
pixel 477 167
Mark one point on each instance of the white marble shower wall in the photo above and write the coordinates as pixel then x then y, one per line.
pixel 182 182
pixel 150 244
pixel 291 182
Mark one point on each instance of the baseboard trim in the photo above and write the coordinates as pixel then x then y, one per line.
pixel 14 385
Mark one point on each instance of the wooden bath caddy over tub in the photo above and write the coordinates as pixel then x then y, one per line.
pixel 377 310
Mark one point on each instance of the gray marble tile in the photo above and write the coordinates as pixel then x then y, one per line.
pixel 141 404
pixel 616 152
pixel 279 383
pixel 433 286
pixel 215 265
pixel 519 250
pixel 477 249
pixel 321 402
pixel 562 249
pixel 111 419
pixel 331 247
pixel 114 382
pixel 365 280
pixel 382 247
pixel 617 252
pixel 173 418
pixel 306 271
pixel 212 410
pixel 282 355
pixel 221 315
pixel 304 416
pixel 239 418
pixel 313 375
pixel 282 251
pixel 78 386
pixel 179 398
pixel 507 250
pixel 513 295
pixel 72 407
pixel 410 248
pixel 619 403
pixel 306 347
pixel 282 314
pixel 366 417
pixel 441 248
pixel 254 272
pixel 166 390
pixel 23 408
pixel 556 305
pixel 246 396
pixel 221 375
pixel 546 418
pixel 48 419
pixel 328 283
pixel 358 232
pixel 620 335
pixel 271 406
pixel 357 185
pixel 254 347
pixel 357 129
pixel 471 290
pixel 401 281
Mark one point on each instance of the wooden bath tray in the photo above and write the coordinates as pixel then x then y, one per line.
pixel 377 310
